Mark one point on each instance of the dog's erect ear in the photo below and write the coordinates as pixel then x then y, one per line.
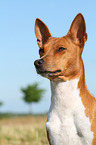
pixel 78 30
pixel 42 32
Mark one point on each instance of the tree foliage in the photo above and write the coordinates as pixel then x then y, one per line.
pixel 32 93
pixel 1 103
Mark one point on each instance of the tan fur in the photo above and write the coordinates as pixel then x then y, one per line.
pixel 68 61
pixel 89 103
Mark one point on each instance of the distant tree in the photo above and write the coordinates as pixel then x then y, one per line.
pixel 1 103
pixel 32 94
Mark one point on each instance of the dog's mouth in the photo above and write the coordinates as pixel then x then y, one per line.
pixel 49 73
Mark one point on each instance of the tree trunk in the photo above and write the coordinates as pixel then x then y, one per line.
pixel 30 108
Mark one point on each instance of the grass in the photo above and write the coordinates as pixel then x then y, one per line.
pixel 28 130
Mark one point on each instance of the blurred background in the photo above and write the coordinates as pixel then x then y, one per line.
pixel 18 47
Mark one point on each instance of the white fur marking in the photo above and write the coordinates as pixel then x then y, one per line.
pixel 67 123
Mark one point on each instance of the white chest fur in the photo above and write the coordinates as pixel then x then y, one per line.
pixel 67 123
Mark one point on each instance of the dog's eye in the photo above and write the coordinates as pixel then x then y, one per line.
pixel 41 50
pixel 61 49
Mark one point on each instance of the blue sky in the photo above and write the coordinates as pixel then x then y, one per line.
pixel 18 47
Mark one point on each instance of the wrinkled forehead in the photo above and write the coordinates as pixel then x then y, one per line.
pixel 50 43
pixel 56 42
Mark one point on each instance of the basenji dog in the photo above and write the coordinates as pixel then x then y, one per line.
pixel 72 114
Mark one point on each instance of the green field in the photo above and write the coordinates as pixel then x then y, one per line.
pixel 28 130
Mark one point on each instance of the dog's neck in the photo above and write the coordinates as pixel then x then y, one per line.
pixel 64 93
pixel 68 88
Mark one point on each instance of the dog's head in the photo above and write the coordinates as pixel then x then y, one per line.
pixel 60 57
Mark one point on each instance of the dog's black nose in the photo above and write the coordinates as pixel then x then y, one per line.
pixel 38 63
